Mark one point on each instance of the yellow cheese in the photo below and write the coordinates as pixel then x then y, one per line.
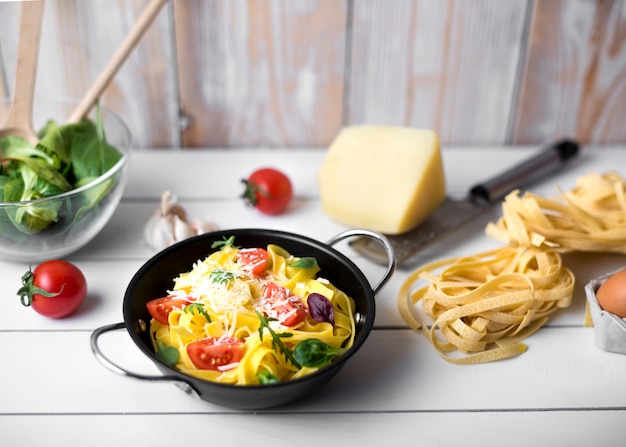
pixel 382 178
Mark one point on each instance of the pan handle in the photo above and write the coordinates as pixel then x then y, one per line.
pixel 95 347
pixel 391 255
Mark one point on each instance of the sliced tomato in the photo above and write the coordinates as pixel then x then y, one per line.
pixel 253 260
pixel 280 303
pixel 215 353
pixel 160 308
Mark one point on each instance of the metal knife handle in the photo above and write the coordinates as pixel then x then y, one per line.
pixel 529 171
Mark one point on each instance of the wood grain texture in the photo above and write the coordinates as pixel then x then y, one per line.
pixel 269 73
pixel 79 38
pixel 260 72
pixel 144 90
pixel 574 81
pixel 446 65
pixel 9 30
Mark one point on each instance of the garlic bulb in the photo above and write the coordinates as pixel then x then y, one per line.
pixel 168 224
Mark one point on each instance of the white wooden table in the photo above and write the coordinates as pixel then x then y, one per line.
pixel 396 389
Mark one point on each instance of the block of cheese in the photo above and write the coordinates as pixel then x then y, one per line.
pixel 382 178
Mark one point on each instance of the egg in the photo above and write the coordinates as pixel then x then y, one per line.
pixel 611 294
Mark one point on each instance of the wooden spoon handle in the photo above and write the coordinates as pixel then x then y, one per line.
pixel 26 69
pixel 147 17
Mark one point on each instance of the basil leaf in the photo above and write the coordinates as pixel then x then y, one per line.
pixel 313 352
pixel 168 354
pixel 304 263
pixel 320 308
pixel 267 378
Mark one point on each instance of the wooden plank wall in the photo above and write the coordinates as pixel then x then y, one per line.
pixel 291 73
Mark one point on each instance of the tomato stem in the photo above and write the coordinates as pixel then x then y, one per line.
pixel 249 194
pixel 28 289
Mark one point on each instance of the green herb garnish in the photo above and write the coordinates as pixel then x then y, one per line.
pixel 304 263
pixel 313 352
pixel 221 276
pixel 168 354
pixel 277 343
pixel 225 242
pixel 267 378
pixel 199 308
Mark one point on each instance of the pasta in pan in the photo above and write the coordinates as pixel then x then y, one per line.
pixel 251 316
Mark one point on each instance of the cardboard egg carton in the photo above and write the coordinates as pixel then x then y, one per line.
pixel 610 330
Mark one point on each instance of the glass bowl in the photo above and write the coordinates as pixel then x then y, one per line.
pixel 72 218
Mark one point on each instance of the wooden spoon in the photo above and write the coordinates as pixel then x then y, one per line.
pixel 20 119
pixel 110 70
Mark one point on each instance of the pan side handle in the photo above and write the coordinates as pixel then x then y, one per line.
pixel 95 347
pixel 390 252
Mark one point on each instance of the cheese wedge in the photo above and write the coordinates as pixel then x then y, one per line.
pixel 382 178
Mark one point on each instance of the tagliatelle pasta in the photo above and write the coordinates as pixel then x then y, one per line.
pixel 591 217
pixel 227 302
pixel 482 306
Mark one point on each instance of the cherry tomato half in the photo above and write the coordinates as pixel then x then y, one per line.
pixel 268 190
pixel 160 308
pixel 54 289
pixel 280 303
pixel 253 260
pixel 214 353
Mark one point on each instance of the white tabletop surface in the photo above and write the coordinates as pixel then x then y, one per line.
pixel 396 390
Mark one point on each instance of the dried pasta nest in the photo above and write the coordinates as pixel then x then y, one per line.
pixel 482 306
pixel 590 218
pixel 485 304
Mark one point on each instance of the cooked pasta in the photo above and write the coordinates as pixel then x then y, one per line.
pixel 483 305
pixel 251 319
pixel 591 217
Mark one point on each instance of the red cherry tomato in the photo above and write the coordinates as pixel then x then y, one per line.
pixel 160 308
pixel 54 289
pixel 214 353
pixel 253 260
pixel 268 190
pixel 281 304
